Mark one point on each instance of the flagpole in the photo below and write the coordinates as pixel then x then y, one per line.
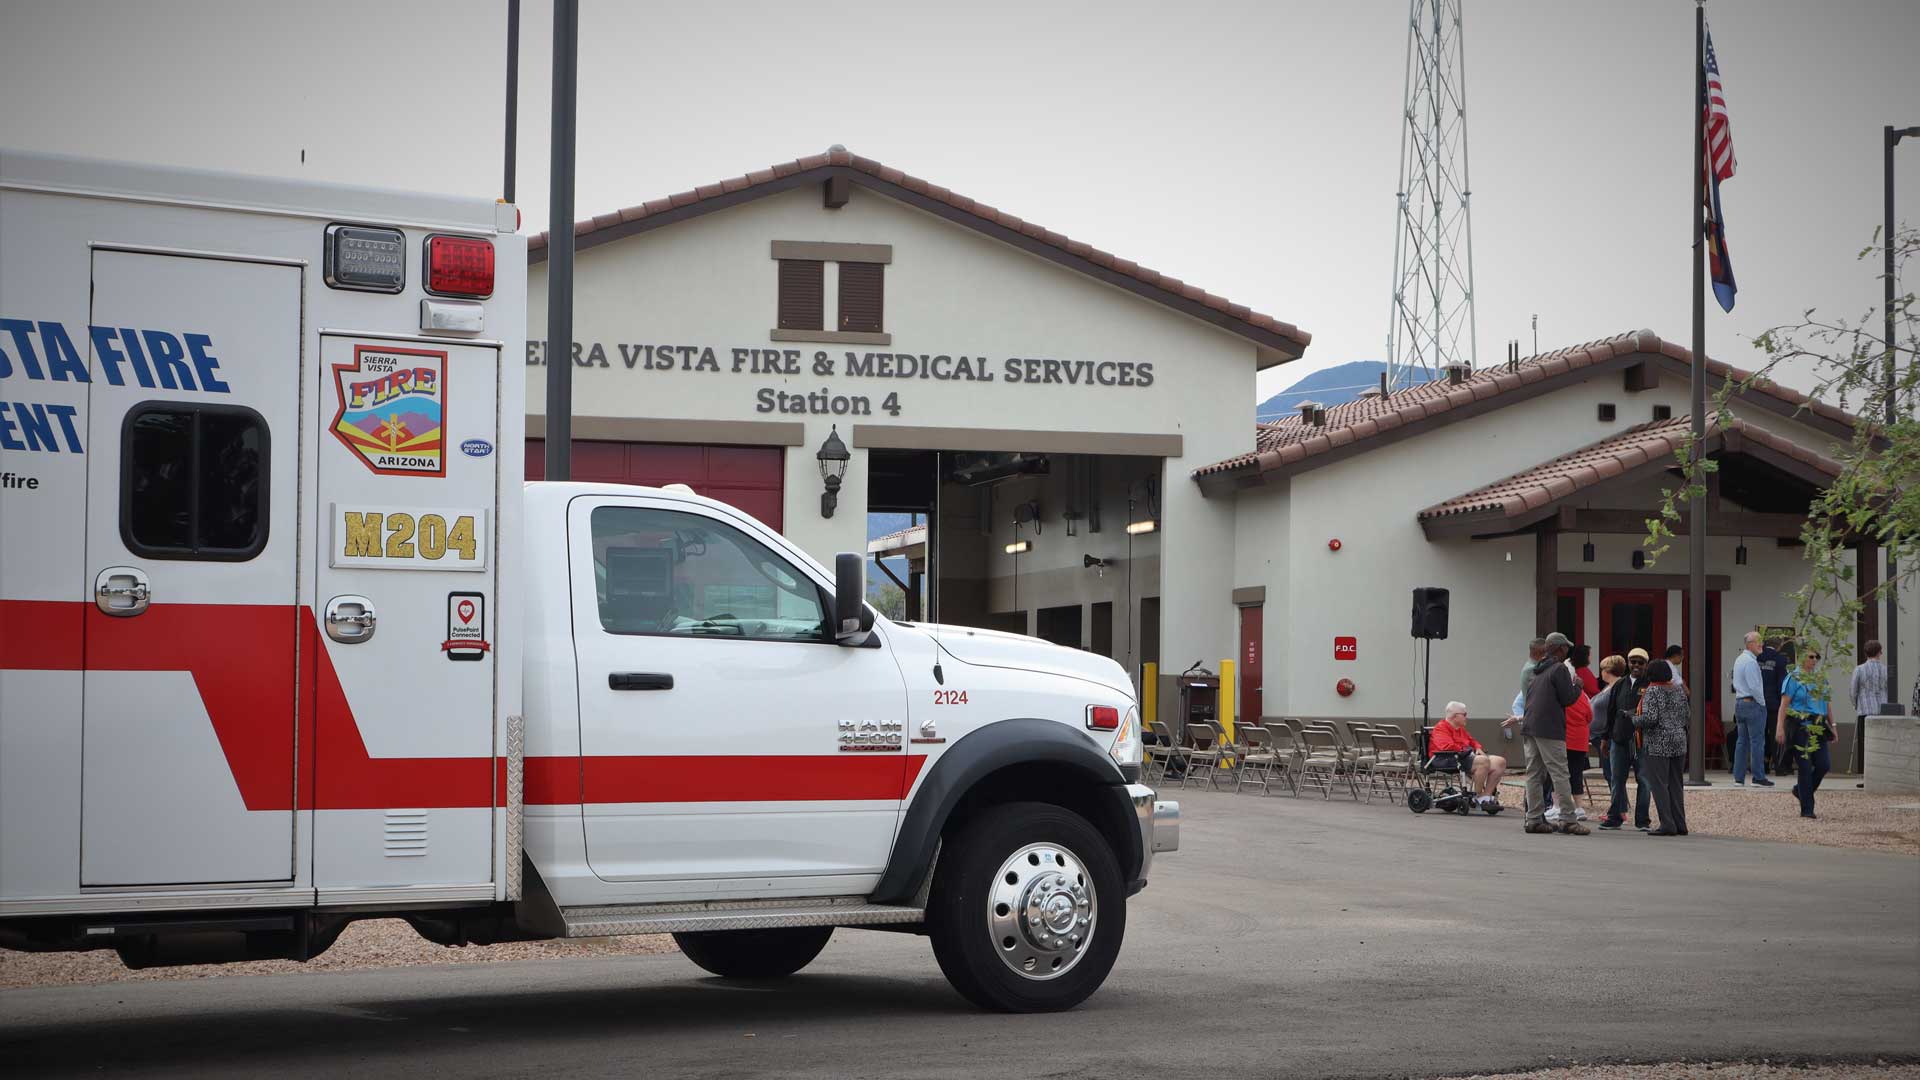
pixel 1702 680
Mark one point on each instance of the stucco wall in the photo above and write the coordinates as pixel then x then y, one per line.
pixel 710 282
pixel 1370 502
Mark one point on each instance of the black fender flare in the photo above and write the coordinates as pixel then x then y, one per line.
pixel 977 755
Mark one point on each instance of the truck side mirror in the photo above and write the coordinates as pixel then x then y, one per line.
pixel 851 616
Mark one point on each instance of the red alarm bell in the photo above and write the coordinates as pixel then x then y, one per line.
pixel 1344 687
pixel 1333 544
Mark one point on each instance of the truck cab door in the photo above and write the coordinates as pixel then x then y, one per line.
pixel 729 746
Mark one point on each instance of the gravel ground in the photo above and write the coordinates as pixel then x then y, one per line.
pixel 1849 817
pixel 370 943
pixel 1711 1070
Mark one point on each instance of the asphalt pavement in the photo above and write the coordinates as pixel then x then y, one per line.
pixel 1289 937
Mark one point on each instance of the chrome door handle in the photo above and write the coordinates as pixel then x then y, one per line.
pixel 350 619
pixel 121 591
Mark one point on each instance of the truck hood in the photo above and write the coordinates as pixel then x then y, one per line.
pixel 997 648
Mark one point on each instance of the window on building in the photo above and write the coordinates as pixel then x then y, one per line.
pixel 861 295
pixel 193 482
pixel 802 294
pixel 686 575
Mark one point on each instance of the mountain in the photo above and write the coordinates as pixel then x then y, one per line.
pixel 1336 385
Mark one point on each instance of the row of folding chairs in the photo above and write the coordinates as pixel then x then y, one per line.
pixel 1366 760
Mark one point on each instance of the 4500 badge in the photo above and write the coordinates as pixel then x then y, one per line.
pixel 408 538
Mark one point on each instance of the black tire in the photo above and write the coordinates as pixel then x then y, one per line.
pixel 754 954
pixel 1419 800
pixel 960 916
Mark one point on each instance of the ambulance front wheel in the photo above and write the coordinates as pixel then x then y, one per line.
pixel 754 954
pixel 1027 909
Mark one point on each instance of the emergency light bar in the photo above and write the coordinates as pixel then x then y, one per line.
pixel 366 258
pixel 460 266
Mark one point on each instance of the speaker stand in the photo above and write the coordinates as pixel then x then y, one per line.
pixel 1426 685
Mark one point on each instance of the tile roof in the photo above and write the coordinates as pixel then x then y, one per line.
pixel 838 160
pixel 1283 443
pixel 1569 474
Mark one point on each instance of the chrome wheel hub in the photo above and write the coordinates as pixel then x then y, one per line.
pixel 1041 911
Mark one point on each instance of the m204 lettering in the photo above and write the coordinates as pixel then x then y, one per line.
pixel 949 697
pixel 401 536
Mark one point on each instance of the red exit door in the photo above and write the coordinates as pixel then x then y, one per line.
pixel 1250 652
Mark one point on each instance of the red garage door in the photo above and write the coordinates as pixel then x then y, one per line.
pixel 746 477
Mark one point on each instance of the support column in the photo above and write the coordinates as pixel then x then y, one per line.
pixel 1546 580
pixel 1866 574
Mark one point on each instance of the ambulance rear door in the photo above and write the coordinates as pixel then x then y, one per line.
pixel 189 692
pixel 404 774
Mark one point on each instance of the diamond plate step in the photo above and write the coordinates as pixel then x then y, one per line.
pixel 733 915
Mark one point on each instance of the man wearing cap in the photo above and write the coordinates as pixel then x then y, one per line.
pixel 1543 731
pixel 1625 748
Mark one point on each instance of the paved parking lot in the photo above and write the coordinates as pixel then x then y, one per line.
pixel 1289 937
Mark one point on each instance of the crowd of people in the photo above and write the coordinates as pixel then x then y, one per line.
pixel 1633 716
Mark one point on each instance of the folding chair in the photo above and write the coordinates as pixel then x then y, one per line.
pixel 1160 751
pixel 1322 767
pixel 1290 754
pixel 1202 753
pixel 1393 765
pixel 1258 759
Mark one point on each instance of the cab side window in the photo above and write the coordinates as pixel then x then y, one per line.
pixel 685 575
pixel 193 481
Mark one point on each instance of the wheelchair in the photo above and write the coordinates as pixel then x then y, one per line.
pixel 1451 771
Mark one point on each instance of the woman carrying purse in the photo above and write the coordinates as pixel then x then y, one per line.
pixel 1662 723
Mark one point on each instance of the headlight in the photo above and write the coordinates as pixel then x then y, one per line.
pixel 1126 743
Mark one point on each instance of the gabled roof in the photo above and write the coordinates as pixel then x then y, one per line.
pixel 1293 445
pixel 842 166
pixel 1520 497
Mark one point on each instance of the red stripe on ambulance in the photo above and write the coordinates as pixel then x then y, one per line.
pixel 240 658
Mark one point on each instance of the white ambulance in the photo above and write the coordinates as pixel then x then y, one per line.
pixel 273 592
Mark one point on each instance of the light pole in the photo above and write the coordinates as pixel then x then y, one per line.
pixel 1892 139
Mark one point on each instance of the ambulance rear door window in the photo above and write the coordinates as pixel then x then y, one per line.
pixel 193 482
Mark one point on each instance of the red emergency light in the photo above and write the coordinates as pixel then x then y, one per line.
pixel 1103 717
pixel 459 266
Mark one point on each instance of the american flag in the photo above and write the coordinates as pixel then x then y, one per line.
pixel 1718 164
pixel 1719 129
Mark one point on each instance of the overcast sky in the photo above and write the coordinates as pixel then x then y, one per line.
pixel 1248 148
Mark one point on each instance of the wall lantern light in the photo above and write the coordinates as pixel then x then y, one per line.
pixel 1740 553
pixel 833 457
pixel 1586 551
pixel 1639 560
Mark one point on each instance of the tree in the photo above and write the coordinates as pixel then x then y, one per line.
pixel 1858 367
pixel 889 600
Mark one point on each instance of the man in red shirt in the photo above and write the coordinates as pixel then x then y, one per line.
pixel 1451 734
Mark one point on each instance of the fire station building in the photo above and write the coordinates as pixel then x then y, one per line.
pixel 1066 443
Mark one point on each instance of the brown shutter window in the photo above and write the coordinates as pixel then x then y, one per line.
pixel 803 294
pixel 860 296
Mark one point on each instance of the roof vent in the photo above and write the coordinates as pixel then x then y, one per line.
pixel 1457 374
pixel 1369 393
pixel 836 148
pixel 1314 413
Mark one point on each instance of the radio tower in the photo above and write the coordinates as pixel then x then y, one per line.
pixel 1433 324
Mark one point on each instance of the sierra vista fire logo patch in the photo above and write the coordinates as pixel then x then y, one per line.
pixel 392 410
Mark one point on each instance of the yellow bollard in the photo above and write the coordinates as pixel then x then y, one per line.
pixel 1223 707
pixel 1149 695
